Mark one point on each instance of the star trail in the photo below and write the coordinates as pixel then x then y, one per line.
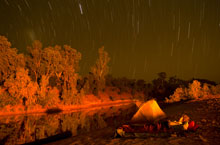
pixel 142 37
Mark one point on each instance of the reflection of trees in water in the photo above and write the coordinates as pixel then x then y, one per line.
pixel 47 126
pixel 69 122
pixel 89 123
pixel 23 129
pixel 9 132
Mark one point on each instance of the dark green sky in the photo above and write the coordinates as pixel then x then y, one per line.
pixel 143 37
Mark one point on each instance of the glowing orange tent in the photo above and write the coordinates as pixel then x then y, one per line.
pixel 149 111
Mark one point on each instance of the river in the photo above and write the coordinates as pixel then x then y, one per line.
pixel 30 128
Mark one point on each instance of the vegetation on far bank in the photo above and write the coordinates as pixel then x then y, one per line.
pixel 194 91
pixel 49 77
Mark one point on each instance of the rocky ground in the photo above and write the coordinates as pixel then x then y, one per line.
pixel 205 113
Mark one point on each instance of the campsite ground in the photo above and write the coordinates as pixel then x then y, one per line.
pixel 205 113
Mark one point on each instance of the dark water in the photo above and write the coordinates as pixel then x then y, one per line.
pixel 20 129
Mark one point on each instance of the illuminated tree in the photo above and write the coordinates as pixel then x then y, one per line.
pixel 34 59
pixel 70 64
pixel 21 87
pixel 6 98
pixel 215 89
pixel 47 62
pixel 205 90
pixel 51 62
pixel 51 65
pixel 101 69
pixel 43 88
pixel 86 87
pixel 195 90
pixel 179 94
pixel 9 59
pixel 47 96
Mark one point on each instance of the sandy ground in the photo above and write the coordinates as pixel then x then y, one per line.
pixel 205 113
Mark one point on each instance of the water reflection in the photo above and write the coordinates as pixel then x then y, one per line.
pixel 21 129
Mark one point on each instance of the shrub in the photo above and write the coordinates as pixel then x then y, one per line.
pixel 195 90
pixel 205 90
pixel 179 94
pixel 215 90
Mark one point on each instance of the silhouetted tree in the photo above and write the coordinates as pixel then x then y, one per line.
pixel 108 80
pixel 141 84
pixel 159 86
pixel 162 75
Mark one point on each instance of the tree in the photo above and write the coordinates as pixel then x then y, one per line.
pixel 47 61
pixel 52 62
pixel 47 96
pixel 70 64
pixel 179 94
pixel 10 60
pixel 162 75
pixel 21 87
pixel 34 59
pixel 195 90
pixel 160 85
pixel 205 90
pixel 101 69
pixel 215 89
pixel 141 84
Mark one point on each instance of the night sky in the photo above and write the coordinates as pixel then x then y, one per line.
pixel 143 37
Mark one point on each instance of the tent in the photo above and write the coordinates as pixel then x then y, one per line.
pixel 148 112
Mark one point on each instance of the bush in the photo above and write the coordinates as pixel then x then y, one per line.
pixel 215 90
pixel 205 90
pixel 179 94
pixel 195 90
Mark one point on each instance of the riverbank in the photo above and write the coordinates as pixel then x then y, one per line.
pixel 204 112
